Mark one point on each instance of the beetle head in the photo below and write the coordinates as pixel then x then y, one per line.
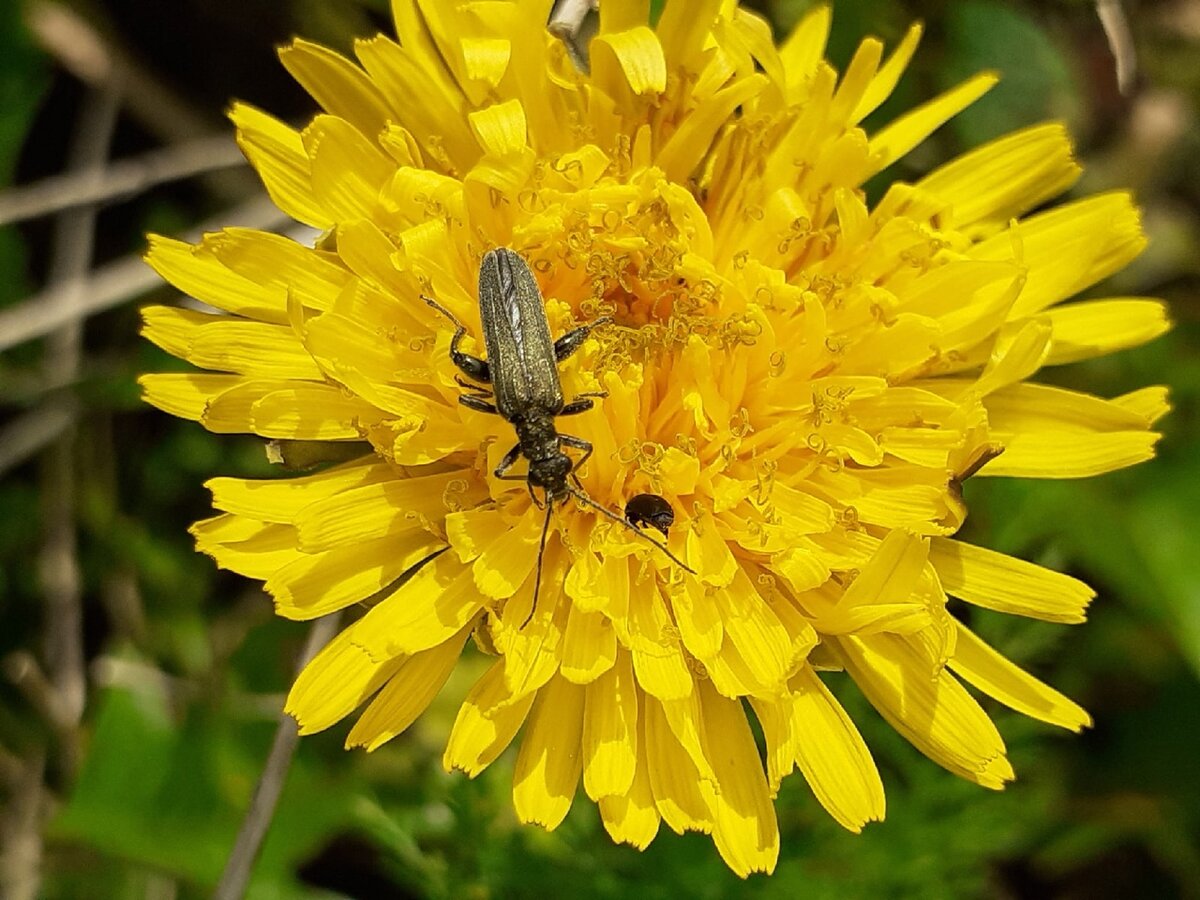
pixel 550 474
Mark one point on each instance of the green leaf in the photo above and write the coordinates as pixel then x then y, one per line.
pixel 1036 80
pixel 171 795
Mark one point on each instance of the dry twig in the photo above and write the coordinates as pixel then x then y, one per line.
pixel 120 180
pixel 1120 42
pixel 30 432
pixel 270 784
pixel 572 23
pixel 58 565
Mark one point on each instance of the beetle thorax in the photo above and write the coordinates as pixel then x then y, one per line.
pixel 538 438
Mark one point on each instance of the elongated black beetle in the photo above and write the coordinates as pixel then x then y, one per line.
pixel 522 369
pixel 652 510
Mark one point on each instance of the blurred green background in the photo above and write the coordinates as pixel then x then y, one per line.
pixel 128 779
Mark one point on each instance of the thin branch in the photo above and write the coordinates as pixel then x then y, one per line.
pixel 58 563
pixel 98 62
pixel 238 867
pixel 1120 42
pixel 98 59
pixel 30 432
pixel 21 831
pixel 23 670
pixel 120 180
pixel 115 283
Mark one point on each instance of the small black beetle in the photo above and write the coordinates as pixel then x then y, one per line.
pixel 652 510
pixel 522 369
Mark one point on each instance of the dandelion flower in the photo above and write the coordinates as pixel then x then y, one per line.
pixel 806 379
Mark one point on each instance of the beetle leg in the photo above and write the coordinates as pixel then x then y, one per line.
pixel 463 383
pixel 478 402
pixel 507 463
pixel 573 339
pixel 580 404
pixel 579 444
pixel 472 366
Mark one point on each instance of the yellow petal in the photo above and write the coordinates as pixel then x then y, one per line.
pixel 698 618
pixel 500 129
pixel 1008 176
pixel 685 148
pixel 1006 584
pixel 1148 404
pixel 348 171
pixel 589 646
pixel 708 553
pixel 683 27
pixel 313 411
pixel 197 272
pixel 486 59
pixel 833 756
pixel 366 362
pixel 367 509
pixel 185 394
pixel 336 681
pixel 621 14
pixel 281 408
pixel 631 817
pixel 685 719
pixel 427 610
pixel 277 154
pixel 629 60
pixel 855 81
pixel 532 649
pixel 658 658
pixel 1051 454
pixel 674 778
pixel 1026 407
pixel 322 583
pixel 338 85
pixel 316 278
pixel 753 628
pixel 802 512
pixel 750 34
pixel 745 831
pixel 546 774
pixel 1099 235
pixel 281 499
pixel 891 575
pixel 487 721
pixel 779 734
pixel 801 567
pixel 509 559
pixel 439 122
pixel 889 73
pixel 610 731
pixel 929 708
pixel 998 677
pixel 406 695
pixel 1099 327
pixel 906 132
pixel 258 553
pixel 1020 350
pixel 804 48
pixel 471 531
pixel 369 252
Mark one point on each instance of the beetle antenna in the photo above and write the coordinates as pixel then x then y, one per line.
pixel 537 583
pixel 579 495
pixel 443 310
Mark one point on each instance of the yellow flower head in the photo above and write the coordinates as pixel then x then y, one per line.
pixel 804 379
